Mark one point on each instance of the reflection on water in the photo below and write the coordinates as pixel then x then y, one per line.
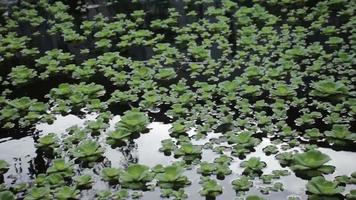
pixel 25 163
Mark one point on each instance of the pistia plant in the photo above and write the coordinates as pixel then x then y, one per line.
pixel 312 163
pixel 22 111
pixel 172 177
pixel 60 166
pixel 83 181
pixel 133 121
pixel 48 142
pixel 88 151
pixel 243 183
pixel 67 192
pixel 253 166
pixel 329 88
pixel 21 75
pixel 110 174
pixel 189 151
pixel 340 135
pixel 322 187
pixel 4 167
pixel 210 188
pixel 136 176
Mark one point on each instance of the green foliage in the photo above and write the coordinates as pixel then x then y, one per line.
pixel 312 160
pixel 39 193
pixel 327 88
pixel 210 188
pixel 172 176
pixel 83 181
pixel 66 192
pixel 22 111
pixel 21 75
pixel 340 134
pixel 7 195
pixel 133 121
pixel 136 176
pixel 59 166
pixel 4 167
pixel 242 184
pixel 88 151
pixel 253 165
pixel 320 186
pixel 110 174
pixel 49 141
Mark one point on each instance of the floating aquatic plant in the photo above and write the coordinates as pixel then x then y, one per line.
pixel 242 72
pixel 172 176
pixel 7 195
pixel 320 186
pixel 61 167
pixel 133 121
pixel 4 167
pixel 312 161
pixel 136 176
pixel 327 88
pixel 21 75
pixel 38 193
pixel 67 192
pixel 83 181
pixel 253 165
pixel 340 135
pixel 88 151
pixel 242 184
pixel 210 188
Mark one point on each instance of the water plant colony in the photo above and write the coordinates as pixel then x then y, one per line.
pixel 255 94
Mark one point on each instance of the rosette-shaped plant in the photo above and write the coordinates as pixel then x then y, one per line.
pixel 244 139
pixel 83 181
pixel 118 136
pixel 242 184
pixel 166 74
pixel 110 174
pixel 133 121
pixel 172 176
pixel 253 165
pixel 67 192
pixel 49 141
pixel 59 166
pixel 210 188
pixel 188 151
pixel 327 88
pixel 206 168
pixel 4 167
pixel 21 75
pixel 312 161
pixel 23 110
pixel 39 193
pixel 7 195
pixel 320 186
pixel 88 151
pixel 136 176
pixel 340 135
pixel 283 90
